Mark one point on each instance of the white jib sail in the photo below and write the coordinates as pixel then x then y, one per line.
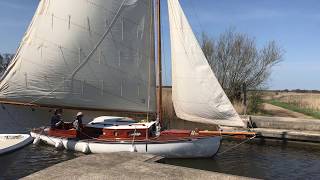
pixel 86 53
pixel 196 93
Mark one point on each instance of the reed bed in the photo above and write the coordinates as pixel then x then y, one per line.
pixel 306 103
pixel 301 100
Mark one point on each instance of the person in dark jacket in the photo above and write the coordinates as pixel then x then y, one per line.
pixel 56 119
pixel 77 123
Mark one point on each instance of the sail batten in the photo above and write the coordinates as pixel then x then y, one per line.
pixel 97 55
pixel 196 93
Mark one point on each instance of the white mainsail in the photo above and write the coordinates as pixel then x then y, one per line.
pixel 97 55
pixel 196 93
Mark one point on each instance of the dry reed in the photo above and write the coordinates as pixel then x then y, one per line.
pixel 301 100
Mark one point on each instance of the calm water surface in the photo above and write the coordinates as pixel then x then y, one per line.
pixel 267 160
pixel 31 159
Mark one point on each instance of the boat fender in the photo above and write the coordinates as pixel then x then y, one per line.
pixel 86 149
pixel 133 149
pixel 37 140
pixel 59 145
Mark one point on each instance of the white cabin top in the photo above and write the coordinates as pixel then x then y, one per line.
pixel 113 122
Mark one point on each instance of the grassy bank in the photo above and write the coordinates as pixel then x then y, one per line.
pixel 301 100
pixel 294 107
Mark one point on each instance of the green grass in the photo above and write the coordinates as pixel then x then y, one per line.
pixel 292 107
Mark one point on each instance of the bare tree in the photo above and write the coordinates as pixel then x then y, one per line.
pixel 5 60
pixel 236 61
pixel 1 64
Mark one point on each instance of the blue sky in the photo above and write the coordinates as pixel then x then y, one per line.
pixel 293 24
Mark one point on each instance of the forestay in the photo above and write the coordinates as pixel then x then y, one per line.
pixel 196 93
pixel 86 53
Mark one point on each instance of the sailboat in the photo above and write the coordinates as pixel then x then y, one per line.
pixel 100 55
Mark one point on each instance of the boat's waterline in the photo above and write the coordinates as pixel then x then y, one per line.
pixel 195 148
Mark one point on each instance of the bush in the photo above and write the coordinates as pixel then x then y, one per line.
pixel 255 102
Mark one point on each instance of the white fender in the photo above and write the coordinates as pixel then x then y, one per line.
pixel 133 148
pixel 37 140
pixel 59 145
pixel 86 149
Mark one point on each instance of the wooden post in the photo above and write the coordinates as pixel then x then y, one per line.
pixel 159 106
pixel 245 104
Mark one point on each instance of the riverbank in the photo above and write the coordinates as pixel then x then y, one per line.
pixel 123 165
pixel 283 128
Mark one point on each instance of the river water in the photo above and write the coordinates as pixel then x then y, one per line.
pixel 265 160
pixel 259 159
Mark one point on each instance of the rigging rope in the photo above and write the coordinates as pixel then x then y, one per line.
pixel 231 148
pixel 41 134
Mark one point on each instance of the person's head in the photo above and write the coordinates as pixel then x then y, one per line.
pixel 79 114
pixel 58 111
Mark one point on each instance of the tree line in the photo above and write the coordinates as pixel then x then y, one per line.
pixel 298 91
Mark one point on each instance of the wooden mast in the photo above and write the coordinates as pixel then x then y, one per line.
pixel 159 97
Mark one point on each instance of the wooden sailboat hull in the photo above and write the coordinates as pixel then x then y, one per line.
pixel 191 148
